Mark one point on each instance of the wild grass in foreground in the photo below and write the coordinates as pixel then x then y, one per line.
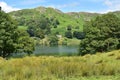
pixel 102 66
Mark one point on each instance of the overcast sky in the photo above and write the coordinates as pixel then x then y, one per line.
pixel 99 6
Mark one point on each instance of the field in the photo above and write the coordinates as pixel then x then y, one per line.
pixel 102 66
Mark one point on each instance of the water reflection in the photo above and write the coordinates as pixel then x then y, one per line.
pixel 62 49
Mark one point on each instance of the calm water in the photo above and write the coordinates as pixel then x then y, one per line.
pixel 48 50
pixel 52 50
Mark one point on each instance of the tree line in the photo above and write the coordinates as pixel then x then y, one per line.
pixel 102 34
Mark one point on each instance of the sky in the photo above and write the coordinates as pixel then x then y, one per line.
pixel 97 6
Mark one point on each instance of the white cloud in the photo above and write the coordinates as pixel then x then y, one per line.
pixel 108 2
pixel 113 5
pixel 7 8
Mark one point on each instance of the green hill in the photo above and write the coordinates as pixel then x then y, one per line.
pixel 85 16
pixel 75 19
pixel 117 13
pixel 63 18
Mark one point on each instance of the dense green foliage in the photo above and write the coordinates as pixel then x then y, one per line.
pixel 79 35
pixel 39 27
pixel 68 34
pixel 102 34
pixel 10 39
pixel 53 40
pixel 7 32
pixel 25 43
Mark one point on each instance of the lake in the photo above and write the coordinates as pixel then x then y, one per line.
pixel 61 50
pixel 56 50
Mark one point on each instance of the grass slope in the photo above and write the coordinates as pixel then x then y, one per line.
pixel 105 66
pixel 65 19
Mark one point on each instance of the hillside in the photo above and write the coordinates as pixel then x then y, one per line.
pixel 85 16
pixel 63 18
pixel 105 66
pixel 117 13
pixel 73 19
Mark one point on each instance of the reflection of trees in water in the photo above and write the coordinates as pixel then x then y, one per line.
pixel 56 49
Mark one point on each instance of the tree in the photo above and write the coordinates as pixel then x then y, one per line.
pixel 9 36
pixel 102 34
pixel 79 35
pixel 68 34
pixel 69 27
pixel 40 34
pixel 39 27
pixel 0 8
pixel 24 42
pixel 53 40
pixel 7 31
pixel 57 22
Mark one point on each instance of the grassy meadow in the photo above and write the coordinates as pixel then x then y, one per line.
pixel 48 29
pixel 101 66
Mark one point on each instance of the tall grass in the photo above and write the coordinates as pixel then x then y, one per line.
pixel 61 68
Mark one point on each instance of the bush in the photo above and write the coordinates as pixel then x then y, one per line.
pixel 79 35
pixel 68 34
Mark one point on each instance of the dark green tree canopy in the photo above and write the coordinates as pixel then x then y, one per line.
pixel 9 36
pixel 69 34
pixel 53 40
pixel 7 32
pixel 39 27
pixel 102 34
